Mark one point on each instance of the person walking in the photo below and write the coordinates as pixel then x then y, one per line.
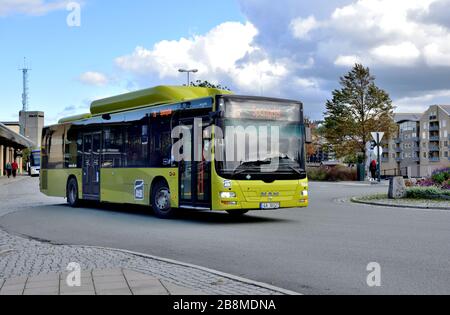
pixel 14 167
pixel 373 169
pixel 8 168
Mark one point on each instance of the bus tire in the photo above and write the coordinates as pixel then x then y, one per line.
pixel 160 200
pixel 72 193
pixel 237 213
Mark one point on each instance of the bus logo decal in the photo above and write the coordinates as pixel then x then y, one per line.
pixel 139 190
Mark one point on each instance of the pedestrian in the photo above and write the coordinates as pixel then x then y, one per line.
pixel 14 167
pixel 8 169
pixel 373 169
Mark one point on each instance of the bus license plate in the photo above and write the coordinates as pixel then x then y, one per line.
pixel 269 206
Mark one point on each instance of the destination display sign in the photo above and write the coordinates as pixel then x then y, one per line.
pixel 262 110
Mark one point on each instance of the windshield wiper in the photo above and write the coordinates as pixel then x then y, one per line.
pixel 298 171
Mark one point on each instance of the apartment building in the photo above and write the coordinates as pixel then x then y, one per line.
pixel 421 145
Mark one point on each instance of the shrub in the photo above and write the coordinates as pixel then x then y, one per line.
pixel 317 174
pixel 427 193
pixel 441 176
pixel 334 174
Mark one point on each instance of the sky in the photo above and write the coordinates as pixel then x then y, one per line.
pixel 295 49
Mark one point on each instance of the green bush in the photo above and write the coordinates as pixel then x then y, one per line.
pixel 427 193
pixel 332 174
pixel 317 174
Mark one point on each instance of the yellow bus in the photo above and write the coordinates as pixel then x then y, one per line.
pixel 138 148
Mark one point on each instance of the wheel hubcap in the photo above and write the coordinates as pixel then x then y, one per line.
pixel 72 194
pixel 163 199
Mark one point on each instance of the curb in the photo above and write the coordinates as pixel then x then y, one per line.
pixel 381 204
pixel 215 272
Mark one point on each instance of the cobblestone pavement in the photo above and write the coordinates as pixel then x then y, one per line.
pixel 96 282
pixel 21 257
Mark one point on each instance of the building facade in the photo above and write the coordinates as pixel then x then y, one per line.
pixel 11 146
pixel 421 145
pixel 31 125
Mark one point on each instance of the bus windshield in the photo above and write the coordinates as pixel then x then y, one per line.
pixel 253 122
pixel 35 159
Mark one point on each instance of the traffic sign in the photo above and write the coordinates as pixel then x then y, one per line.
pixel 377 136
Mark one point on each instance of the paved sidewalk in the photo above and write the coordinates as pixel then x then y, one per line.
pixel 26 265
pixel 95 282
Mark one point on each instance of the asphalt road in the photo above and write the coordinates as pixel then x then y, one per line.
pixel 324 249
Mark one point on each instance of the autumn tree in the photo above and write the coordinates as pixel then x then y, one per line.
pixel 207 84
pixel 356 110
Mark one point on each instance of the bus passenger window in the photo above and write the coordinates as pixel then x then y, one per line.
pixel 113 148
pixel 160 143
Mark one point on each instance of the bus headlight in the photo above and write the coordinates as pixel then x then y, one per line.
pixel 227 195
pixel 304 193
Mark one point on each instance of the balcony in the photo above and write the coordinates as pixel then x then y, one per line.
pixel 398 160
pixel 435 149
pixel 434 128
pixel 416 149
pixel 415 139
pixel 435 159
pixel 397 140
pixel 398 150
pixel 434 139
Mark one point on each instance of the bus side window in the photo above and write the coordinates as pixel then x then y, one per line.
pixel 113 147
pixel 160 143
pixel 137 145
pixel 72 156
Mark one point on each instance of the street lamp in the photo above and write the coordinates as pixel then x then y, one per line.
pixel 188 74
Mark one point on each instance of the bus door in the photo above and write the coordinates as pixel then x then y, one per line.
pixel 195 174
pixel 91 166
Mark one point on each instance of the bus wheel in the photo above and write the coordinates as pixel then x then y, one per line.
pixel 72 193
pixel 161 200
pixel 237 213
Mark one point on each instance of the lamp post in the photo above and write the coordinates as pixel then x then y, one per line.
pixel 188 74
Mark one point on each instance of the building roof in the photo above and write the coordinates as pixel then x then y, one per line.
pixel 8 135
pixel 445 108
pixel 403 117
pixel 10 123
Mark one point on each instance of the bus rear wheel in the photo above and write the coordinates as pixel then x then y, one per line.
pixel 237 213
pixel 72 193
pixel 160 199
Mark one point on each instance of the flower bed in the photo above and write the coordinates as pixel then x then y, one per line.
pixel 436 187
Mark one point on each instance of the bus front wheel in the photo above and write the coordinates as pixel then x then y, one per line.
pixel 72 193
pixel 161 200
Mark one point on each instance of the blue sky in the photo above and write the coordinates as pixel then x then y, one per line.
pixel 58 55
pixel 287 48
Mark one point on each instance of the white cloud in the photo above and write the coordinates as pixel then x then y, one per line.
pixel 438 54
pixel 94 78
pixel 301 27
pixel 227 54
pixel 347 61
pixel 403 54
pixel 30 7
pixel 419 103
